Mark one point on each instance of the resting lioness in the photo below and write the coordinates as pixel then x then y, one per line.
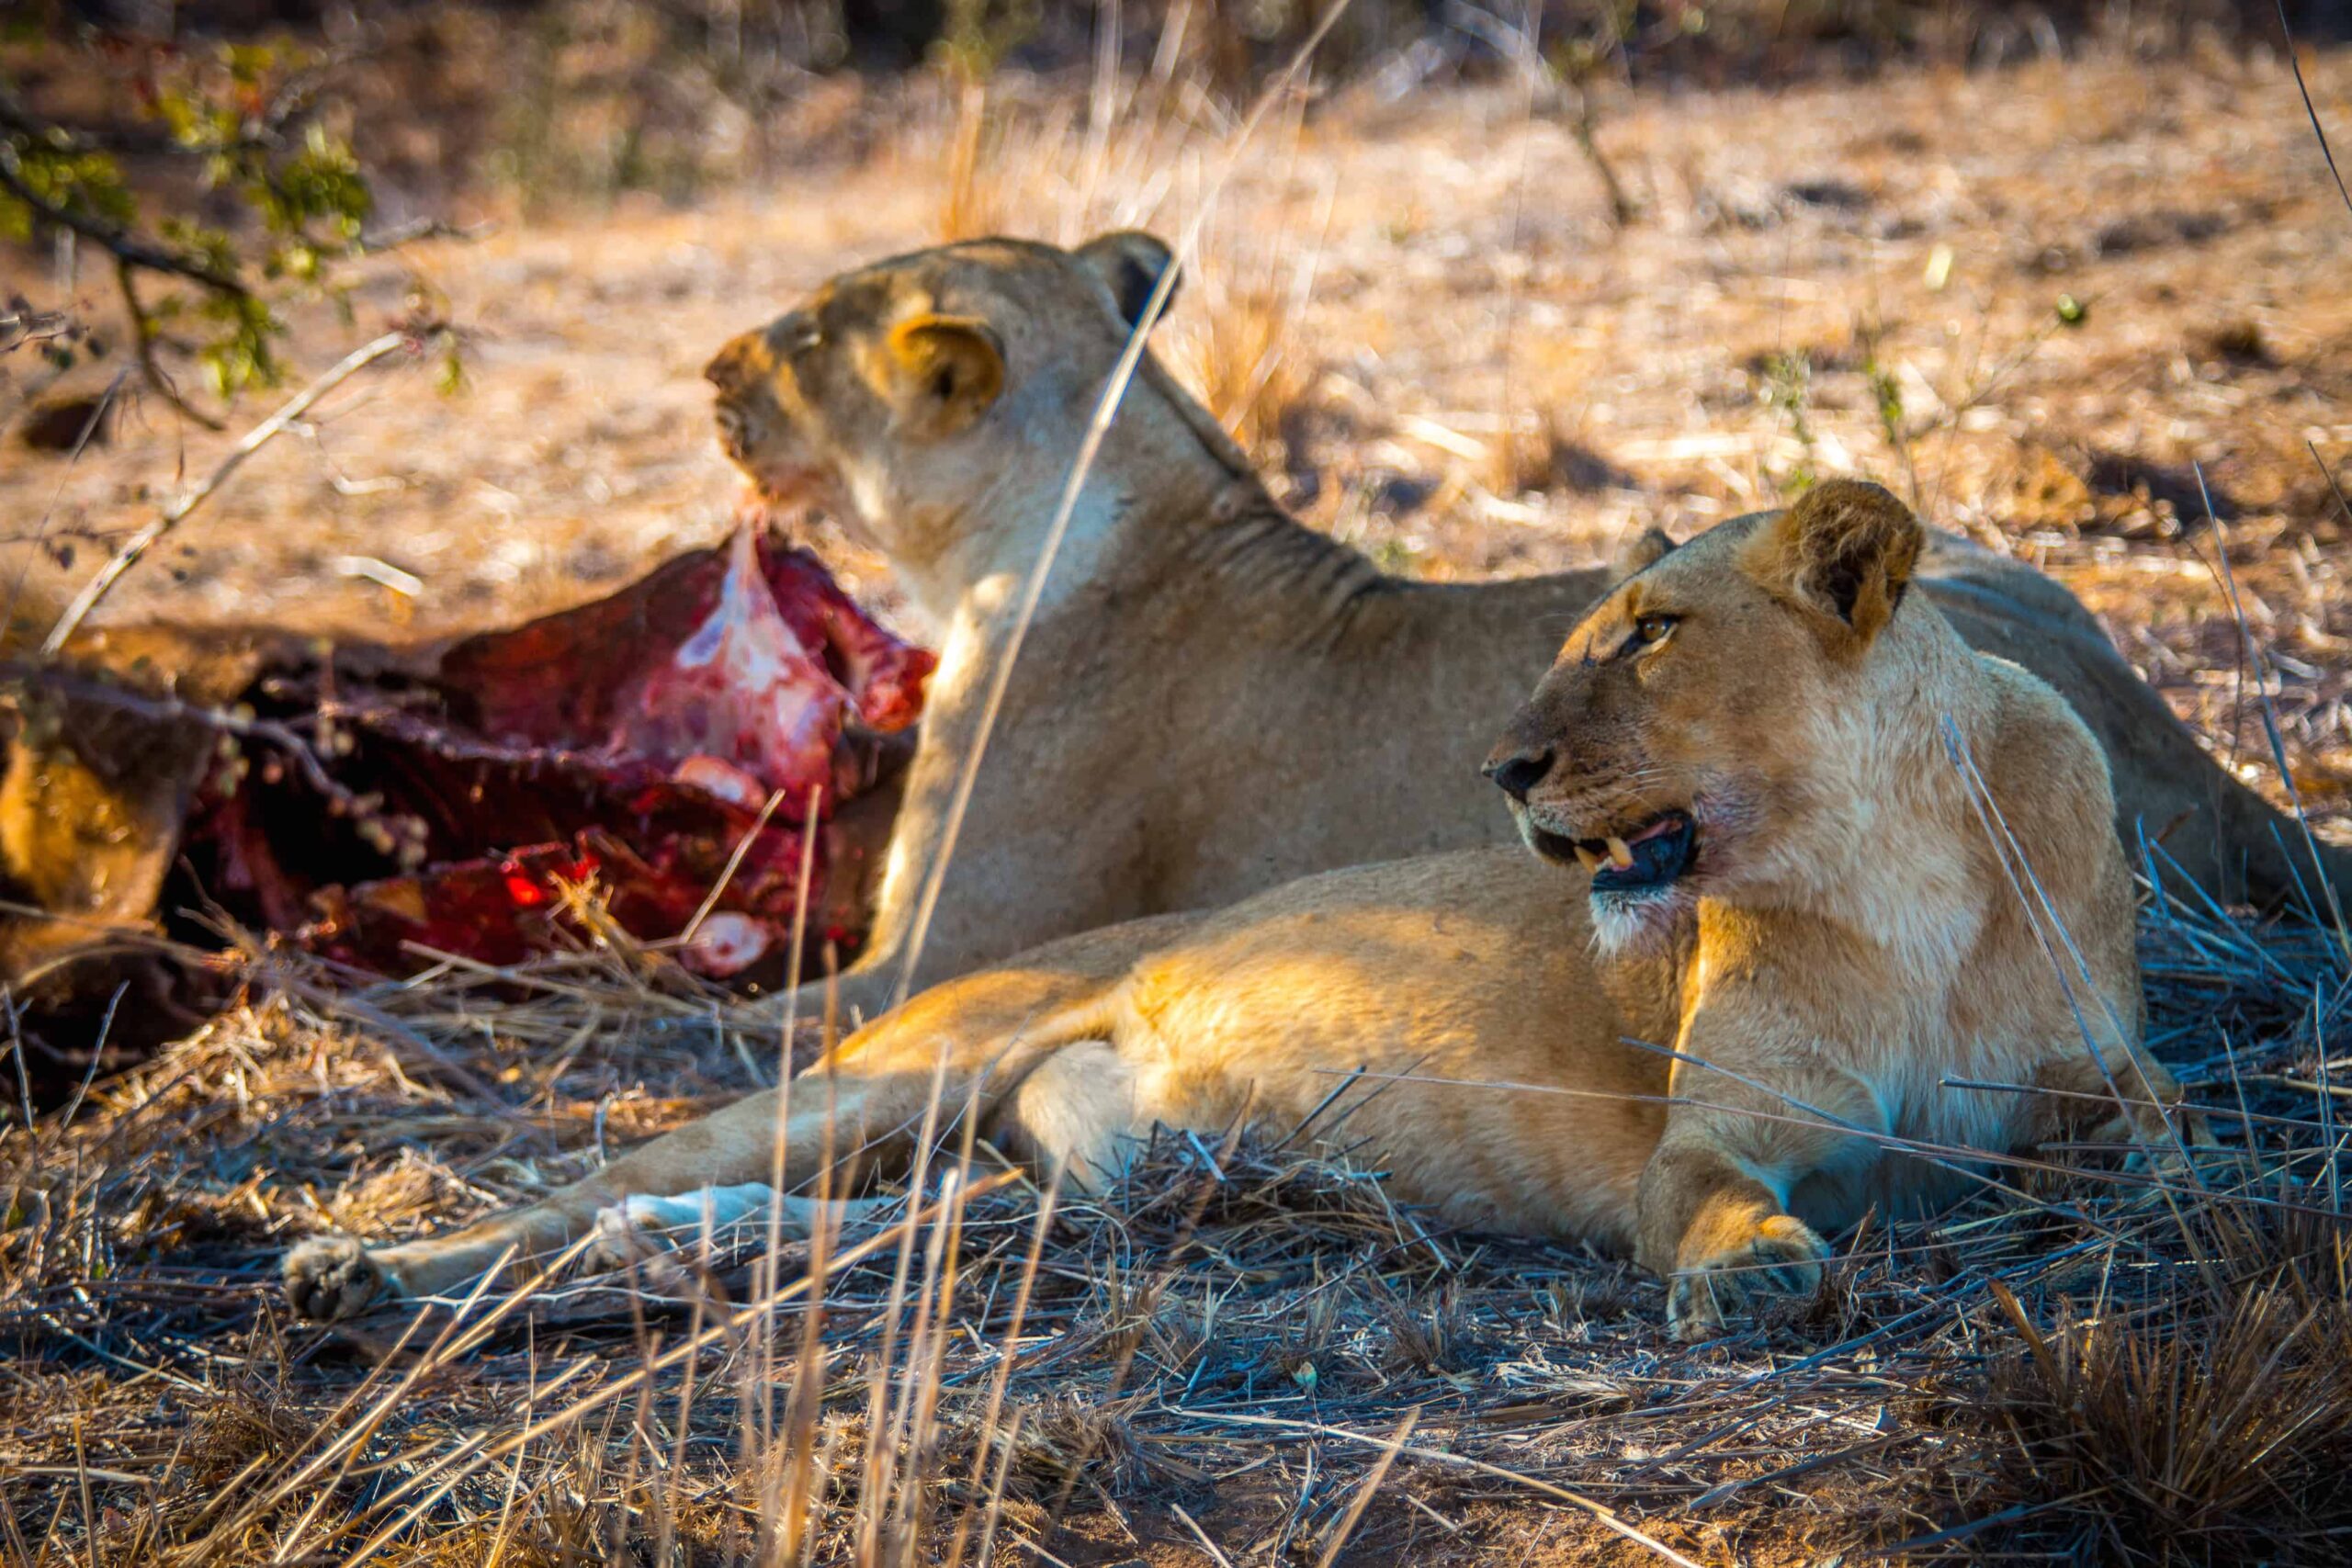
pixel 1214 699
pixel 1836 852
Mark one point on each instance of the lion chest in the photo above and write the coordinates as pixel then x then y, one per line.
pixel 1929 1102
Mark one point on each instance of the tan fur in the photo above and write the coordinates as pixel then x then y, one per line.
pixel 1845 938
pixel 1213 699
pixel 93 793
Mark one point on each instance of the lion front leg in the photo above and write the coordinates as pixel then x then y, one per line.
pixel 1710 1213
pixel 1721 1238
pixel 2123 1096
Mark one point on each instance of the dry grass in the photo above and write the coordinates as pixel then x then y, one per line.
pixel 975 201
pixel 1129 154
pixel 1245 354
pixel 2118 1368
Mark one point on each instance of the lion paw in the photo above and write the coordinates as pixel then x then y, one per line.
pixel 618 1241
pixel 2165 1143
pixel 331 1277
pixel 2197 1152
pixel 1784 1258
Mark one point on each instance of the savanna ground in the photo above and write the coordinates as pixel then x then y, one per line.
pixel 2041 301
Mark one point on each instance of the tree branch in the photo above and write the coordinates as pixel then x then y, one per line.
pixel 142 344
pixel 124 245
pixel 172 516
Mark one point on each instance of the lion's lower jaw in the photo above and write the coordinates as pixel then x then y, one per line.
pixel 785 485
pixel 790 492
pixel 1638 924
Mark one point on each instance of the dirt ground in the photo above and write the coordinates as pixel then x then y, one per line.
pixel 1472 371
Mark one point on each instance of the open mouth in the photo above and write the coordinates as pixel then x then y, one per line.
pixel 1650 857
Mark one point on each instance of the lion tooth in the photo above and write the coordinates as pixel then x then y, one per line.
pixel 1619 854
pixel 1589 861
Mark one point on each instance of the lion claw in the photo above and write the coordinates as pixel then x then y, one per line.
pixel 1785 1258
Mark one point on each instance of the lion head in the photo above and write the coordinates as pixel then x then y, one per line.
pixel 1721 722
pixel 927 397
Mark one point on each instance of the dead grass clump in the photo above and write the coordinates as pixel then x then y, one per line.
pixel 1520 457
pixel 2213 1428
pixel 1246 366
pixel 1065 1436
pixel 1241 346
pixel 1435 1334
pixel 251 1421
pixel 1530 455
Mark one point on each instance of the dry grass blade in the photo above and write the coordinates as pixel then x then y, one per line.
pixel 1098 426
pixel 2310 110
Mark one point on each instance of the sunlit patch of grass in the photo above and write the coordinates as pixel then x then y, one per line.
pixel 976 194
pixel 1241 351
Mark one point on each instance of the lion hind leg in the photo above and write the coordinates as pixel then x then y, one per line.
pixel 1077 1114
pixel 866 1103
pixel 331 1277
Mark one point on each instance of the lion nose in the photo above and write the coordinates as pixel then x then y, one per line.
pixel 1519 773
pixel 732 365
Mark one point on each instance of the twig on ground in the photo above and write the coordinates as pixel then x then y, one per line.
pixel 178 510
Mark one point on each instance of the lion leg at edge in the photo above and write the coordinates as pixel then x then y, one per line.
pixel 2120 1097
pixel 332 1277
pixel 862 1103
pixel 1720 1239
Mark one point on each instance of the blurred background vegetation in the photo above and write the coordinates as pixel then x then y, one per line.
pixel 224 159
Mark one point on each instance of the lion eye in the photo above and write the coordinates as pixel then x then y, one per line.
pixel 1651 631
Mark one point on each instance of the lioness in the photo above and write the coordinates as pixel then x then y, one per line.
pixel 1798 891
pixel 1214 699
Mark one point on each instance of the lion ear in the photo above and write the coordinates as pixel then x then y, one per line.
pixel 1845 549
pixel 1640 553
pixel 948 369
pixel 1130 263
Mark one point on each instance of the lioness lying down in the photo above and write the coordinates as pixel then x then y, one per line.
pixel 1798 890
pixel 1213 699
